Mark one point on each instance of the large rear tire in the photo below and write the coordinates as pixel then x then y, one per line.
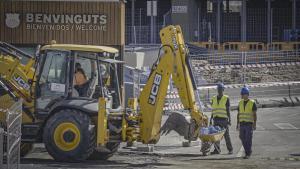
pixel 69 136
pixel 111 148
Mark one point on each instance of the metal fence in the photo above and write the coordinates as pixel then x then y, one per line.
pixel 132 82
pixel 246 67
pixel 12 135
pixel 244 58
pixel 266 95
pixel 142 34
pixel 271 75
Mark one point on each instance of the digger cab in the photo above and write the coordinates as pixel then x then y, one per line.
pixel 77 74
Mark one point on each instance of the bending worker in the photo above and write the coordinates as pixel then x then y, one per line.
pixel 221 117
pixel 246 121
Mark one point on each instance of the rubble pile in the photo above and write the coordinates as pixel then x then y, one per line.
pixel 231 75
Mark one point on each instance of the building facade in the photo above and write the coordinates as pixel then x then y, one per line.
pixel 27 24
pixel 216 20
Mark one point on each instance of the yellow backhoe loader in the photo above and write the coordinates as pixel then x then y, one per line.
pixel 72 97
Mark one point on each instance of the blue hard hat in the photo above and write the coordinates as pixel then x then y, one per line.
pixel 220 86
pixel 245 90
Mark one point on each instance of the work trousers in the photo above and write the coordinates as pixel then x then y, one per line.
pixel 246 134
pixel 223 123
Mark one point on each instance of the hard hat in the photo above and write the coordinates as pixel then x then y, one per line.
pixel 220 86
pixel 245 90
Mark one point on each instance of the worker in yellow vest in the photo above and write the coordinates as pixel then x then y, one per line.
pixel 221 116
pixel 246 121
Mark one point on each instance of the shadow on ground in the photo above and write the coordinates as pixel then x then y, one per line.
pixel 137 163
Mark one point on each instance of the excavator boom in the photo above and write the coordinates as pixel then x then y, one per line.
pixel 173 62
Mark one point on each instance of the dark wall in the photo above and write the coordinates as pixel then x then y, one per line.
pixel 230 22
pixel 142 21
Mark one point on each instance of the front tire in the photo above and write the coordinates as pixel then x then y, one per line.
pixel 69 136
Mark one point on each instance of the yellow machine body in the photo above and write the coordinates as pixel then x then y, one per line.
pixel 140 122
pixel 173 62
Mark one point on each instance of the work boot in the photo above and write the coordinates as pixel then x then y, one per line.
pixel 247 157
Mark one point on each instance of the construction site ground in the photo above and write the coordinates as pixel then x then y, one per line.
pixel 276 144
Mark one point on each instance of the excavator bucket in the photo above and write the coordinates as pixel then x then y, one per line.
pixel 180 122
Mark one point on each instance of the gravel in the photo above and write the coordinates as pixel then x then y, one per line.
pixel 251 75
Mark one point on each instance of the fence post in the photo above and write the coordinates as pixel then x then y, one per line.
pixel 1 147
pixel 134 35
pixel 140 25
pixel 243 68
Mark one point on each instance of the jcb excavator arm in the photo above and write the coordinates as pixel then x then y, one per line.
pixel 173 62
pixel 17 79
pixel 13 73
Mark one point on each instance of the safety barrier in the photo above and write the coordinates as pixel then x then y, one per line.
pixel 247 46
pixel 209 45
pixel 12 135
pixel 255 46
pixel 295 45
pixel 279 46
pixel 284 46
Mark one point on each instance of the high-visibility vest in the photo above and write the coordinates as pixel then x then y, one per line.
pixel 246 113
pixel 219 109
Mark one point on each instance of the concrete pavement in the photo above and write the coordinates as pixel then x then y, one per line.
pixel 276 144
pixel 271 139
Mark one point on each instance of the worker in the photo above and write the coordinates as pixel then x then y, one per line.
pixel 221 117
pixel 80 81
pixel 79 77
pixel 246 121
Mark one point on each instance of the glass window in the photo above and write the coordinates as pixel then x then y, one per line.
pixel 85 75
pixel 85 60
pixel 53 78
pixel 54 70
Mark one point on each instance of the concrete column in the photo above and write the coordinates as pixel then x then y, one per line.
pixel 218 20
pixel 244 21
pixel 132 20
